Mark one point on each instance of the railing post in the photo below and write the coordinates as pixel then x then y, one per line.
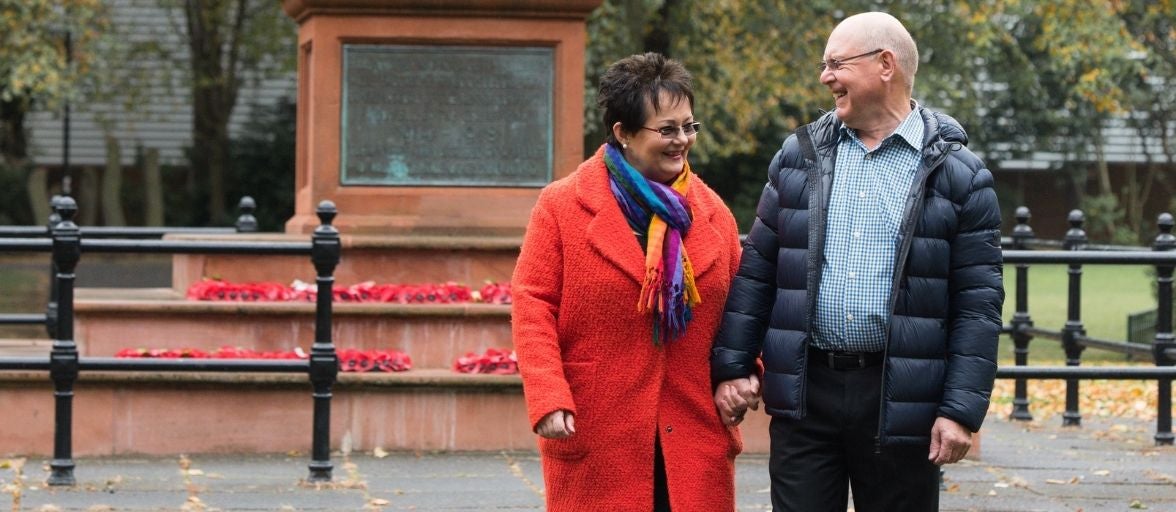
pixel 1021 320
pixel 1165 341
pixel 324 362
pixel 246 222
pixel 51 307
pixel 1075 241
pixel 63 358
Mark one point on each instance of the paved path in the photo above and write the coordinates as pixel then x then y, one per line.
pixel 1106 465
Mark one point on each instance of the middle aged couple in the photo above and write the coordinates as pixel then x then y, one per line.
pixel 863 307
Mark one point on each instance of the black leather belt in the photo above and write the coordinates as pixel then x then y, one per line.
pixel 844 360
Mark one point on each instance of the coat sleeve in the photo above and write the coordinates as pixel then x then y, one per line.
pixel 737 344
pixel 976 292
pixel 535 290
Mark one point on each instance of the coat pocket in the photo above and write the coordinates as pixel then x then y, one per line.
pixel 735 438
pixel 581 377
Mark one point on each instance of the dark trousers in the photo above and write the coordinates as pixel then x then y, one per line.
pixel 816 459
pixel 661 491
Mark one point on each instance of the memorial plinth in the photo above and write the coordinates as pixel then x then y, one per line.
pixel 432 126
pixel 435 117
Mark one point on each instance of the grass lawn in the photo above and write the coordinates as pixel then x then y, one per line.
pixel 24 288
pixel 1109 294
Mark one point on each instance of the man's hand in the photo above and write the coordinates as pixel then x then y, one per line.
pixel 950 441
pixel 733 398
pixel 557 425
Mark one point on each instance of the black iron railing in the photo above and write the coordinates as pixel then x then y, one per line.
pixel 22 239
pixel 67 244
pixel 1072 335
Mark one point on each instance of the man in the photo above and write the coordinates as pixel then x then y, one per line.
pixel 870 284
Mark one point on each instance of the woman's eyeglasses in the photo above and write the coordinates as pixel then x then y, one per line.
pixel 671 132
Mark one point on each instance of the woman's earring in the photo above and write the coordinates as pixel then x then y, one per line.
pixel 624 145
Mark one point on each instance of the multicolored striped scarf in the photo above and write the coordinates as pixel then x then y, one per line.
pixel 662 213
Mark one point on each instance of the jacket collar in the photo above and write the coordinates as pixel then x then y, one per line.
pixel 941 134
pixel 609 234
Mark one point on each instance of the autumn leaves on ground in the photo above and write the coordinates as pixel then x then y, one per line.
pixel 1126 399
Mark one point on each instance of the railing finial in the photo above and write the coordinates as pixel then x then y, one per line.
pixel 1165 237
pixel 1022 230
pixel 326 212
pixel 1075 236
pixel 67 208
pixel 246 222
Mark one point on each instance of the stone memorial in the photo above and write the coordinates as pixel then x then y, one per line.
pixel 436 117
pixel 446 116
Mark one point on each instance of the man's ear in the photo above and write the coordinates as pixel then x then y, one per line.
pixel 889 64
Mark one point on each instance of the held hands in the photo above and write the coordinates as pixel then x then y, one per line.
pixel 950 441
pixel 557 425
pixel 733 398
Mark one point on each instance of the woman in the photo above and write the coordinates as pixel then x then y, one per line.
pixel 615 310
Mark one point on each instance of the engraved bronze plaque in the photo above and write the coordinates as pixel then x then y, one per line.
pixel 446 115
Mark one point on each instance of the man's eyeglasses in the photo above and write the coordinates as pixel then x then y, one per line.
pixel 835 64
pixel 670 132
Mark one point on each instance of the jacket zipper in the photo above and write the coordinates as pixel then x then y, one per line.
pixel 915 205
pixel 816 235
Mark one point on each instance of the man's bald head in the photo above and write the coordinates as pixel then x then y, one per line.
pixel 870 30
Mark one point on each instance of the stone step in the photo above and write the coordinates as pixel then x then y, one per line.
pixel 117 413
pixel 392 259
pixel 21 347
pixel 111 319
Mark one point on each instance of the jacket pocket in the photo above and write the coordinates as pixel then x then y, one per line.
pixel 581 377
pixel 735 437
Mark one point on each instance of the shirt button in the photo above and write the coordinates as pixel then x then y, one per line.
pixel 848 318
pixel 862 195
pixel 857 234
pixel 669 429
pixel 852 275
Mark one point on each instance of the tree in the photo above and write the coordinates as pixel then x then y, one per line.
pixel 225 44
pixel 34 68
pixel 1022 77
pixel 751 89
pixel 227 39
pixel 1153 27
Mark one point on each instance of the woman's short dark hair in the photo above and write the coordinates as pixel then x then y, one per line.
pixel 629 82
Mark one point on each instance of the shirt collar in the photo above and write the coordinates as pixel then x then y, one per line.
pixel 911 129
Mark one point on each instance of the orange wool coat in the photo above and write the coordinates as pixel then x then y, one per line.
pixel 582 346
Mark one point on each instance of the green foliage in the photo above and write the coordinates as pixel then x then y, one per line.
pixel 36 70
pixel 244 38
pixel 1105 220
pixel 33 60
pixel 227 43
pixel 262 167
pixel 1021 76
pixel 16 209
pixel 263 164
pixel 1051 75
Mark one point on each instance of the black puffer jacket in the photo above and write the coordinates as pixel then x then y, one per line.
pixel 946 296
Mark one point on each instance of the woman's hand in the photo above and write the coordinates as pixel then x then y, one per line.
pixel 557 425
pixel 735 396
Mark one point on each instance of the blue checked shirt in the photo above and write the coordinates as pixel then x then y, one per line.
pixel 865 214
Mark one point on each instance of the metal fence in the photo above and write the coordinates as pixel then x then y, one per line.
pixel 1075 253
pixel 67 243
pixel 245 223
